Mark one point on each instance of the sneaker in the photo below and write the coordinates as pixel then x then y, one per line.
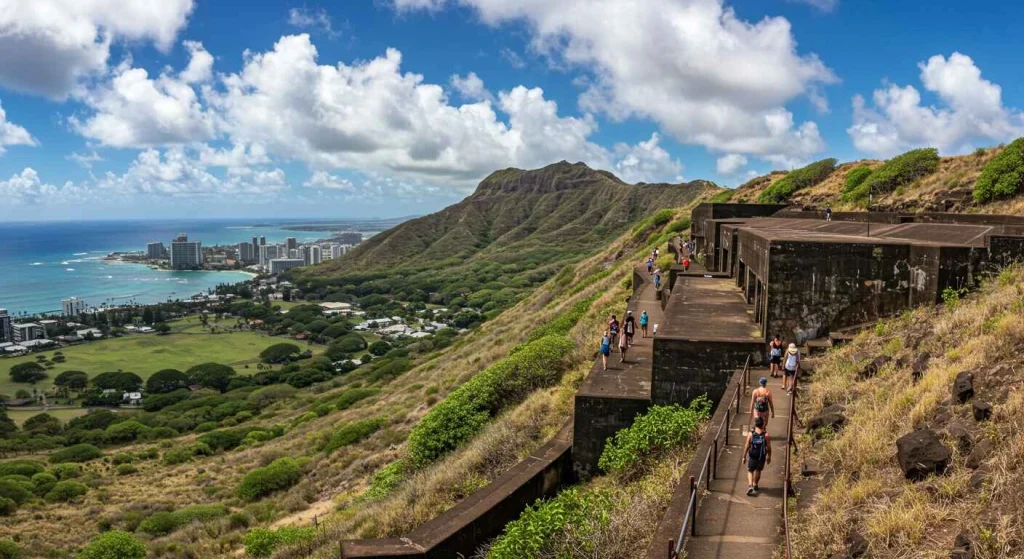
pixel 755 487
pixel 750 490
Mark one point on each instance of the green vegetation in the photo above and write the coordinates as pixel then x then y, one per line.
pixel 722 197
pixel 279 474
pixel 353 433
pixel 660 429
pixel 387 479
pixel 467 409
pixel 856 177
pixel 280 353
pixel 797 179
pixel 262 542
pixel 1003 176
pixel 528 535
pixel 78 453
pixel 10 550
pixel 561 325
pixel 899 171
pixel 114 545
pixel 66 490
pixel 163 523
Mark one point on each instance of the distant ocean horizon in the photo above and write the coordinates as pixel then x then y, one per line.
pixel 44 262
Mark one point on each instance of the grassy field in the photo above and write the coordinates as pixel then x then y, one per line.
pixel 65 415
pixel 145 354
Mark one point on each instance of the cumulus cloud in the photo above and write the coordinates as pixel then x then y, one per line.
pixel 27 188
pixel 323 179
pixel 307 18
pixel 730 163
pixel 823 5
pixel 646 160
pixel 11 134
pixel 200 64
pixel 47 45
pixel 703 74
pixel 972 110
pixel 471 87
pixel 85 159
pixel 176 172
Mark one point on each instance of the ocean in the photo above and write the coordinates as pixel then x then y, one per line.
pixel 42 263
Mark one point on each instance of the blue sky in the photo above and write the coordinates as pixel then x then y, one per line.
pixel 193 108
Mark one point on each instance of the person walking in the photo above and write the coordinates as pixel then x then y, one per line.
pixel 758 453
pixel 644 319
pixel 686 264
pixel 790 367
pixel 657 279
pixel 613 329
pixel 775 356
pixel 650 265
pixel 606 350
pixel 828 213
pixel 623 346
pixel 761 404
pixel 629 328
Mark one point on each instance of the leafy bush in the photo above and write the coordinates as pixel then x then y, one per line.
pixel 114 545
pixel 7 508
pixel 797 179
pixel 43 482
pixel 166 380
pixel 14 491
pixel 386 480
pixel 127 431
pixel 77 453
pixel 9 549
pixel 380 348
pixel 211 375
pixel 353 433
pixel 565 321
pixel 349 397
pixel 224 439
pixel 1003 176
pixel 896 172
pixel 157 402
pixel 722 197
pixel 855 177
pixel 126 469
pixel 528 535
pixel 279 474
pixel 469 407
pixel 66 471
pixel 65 491
pixel 163 523
pixel 182 454
pixel 25 468
pixel 263 397
pixel 262 542
pixel 280 353
pixel 658 430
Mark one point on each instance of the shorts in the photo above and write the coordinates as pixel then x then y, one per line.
pixel 790 372
pixel 776 360
pixel 754 465
pixel 763 415
pixel 606 350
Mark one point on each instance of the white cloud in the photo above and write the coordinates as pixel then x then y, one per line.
pixel 134 110
pixel 27 188
pixel 823 5
pixel 644 161
pixel 84 159
pixel 307 18
pixel 11 134
pixel 47 45
pixel 973 111
pixel 175 172
pixel 323 179
pixel 470 87
pixel 200 64
pixel 513 58
pixel 730 163
pixel 703 74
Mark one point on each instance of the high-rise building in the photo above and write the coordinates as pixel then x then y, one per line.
pixel 316 255
pixel 268 253
pixel 155 251
pixel 291 243
pixel 304 254
pixel 263 240
pixel 245 252
pixel 5 327
pixel 337 251
pixel 28 331
pixel 72 306
pixel 278 265
pixel 186 254
pixel 256 243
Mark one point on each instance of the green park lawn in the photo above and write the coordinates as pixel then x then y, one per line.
pixel 145 354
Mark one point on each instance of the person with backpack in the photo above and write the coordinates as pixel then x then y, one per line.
pixel 613 329
pixel 789 368
pixel 761 404
pixel 657 278
pixel 686 264
pixel 644 319
pixel 758 453
pixel 650 265
pixel 775 356
pixel 828 213
pixel 623 346
pixel 606 350
pixel 629 328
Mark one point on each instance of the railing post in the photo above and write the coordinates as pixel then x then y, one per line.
pixel 714 461
pixel 728 423
pixel 693 509
pixel 671 549
pixel 738 394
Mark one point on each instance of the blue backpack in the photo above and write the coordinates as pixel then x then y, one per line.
pixel 758 446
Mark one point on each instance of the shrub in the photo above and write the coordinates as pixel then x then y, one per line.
pixel 114 545
pixel 126 469
pixel 224 439
pixel 565 321
pixel 1003 176
pixel 855 177
pixel 10 550
pixel 122 458
pixel 386 480
pixel 44 482
pixel 797 179
pixel 239 520
pixel 66 471
pixel 263 397
pixel 279 474
pixel 65 491
pixel 353 433
pixel 349 343
pixel 262 542
pixel 896 172
pixel 14 491
pixel 182 454
pixel 157 402
pixel 7 508
pixel 380 349
pixel 530 533
pixel 127 431
pixel 660 429
pixel 469 407
pixel 25 468
pixel 163 523
pixel 722 197
pixel 77 453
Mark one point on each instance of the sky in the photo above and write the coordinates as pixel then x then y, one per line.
pixel 380 108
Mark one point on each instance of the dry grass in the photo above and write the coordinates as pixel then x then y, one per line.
pixel 865 490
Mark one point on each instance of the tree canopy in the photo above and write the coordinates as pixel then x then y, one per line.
pixel 211 375
pixel 28 372
pixel 166 380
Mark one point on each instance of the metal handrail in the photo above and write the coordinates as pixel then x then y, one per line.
pixel 787 485
pixel 710 459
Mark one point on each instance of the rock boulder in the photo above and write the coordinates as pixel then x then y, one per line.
pixel 921 453
pixel 982 411
pixel 963 387
pixel 981 451
pixel 829 417
pixel 873 366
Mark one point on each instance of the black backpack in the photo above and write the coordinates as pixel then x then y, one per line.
pixel 758 446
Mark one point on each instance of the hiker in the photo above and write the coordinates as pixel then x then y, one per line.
pixel 655 253
pixel 758 453
pixel 761 405
pixel 657 278
pixel 686 264
pixel 613 329
pixel 775 356
pixel 654 332
pixel 606 350
pixel 792 363
pixel 623 346
pixel 643 323
pixel 690 246
pixel 828 213
pixel 629 328
pixel 650 265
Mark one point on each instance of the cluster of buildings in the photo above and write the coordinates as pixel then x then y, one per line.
pixel 183 254
pixel 276 258
pixel 395 327
pixel 18 338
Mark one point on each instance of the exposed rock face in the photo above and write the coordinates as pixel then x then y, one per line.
pixel 921 453
pixel 873 366
pixel 963 387
pixel 981 451
pixel 831 416
pixel 982 411
pixel 960 433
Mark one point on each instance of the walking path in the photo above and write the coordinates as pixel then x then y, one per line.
pixel 729 523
